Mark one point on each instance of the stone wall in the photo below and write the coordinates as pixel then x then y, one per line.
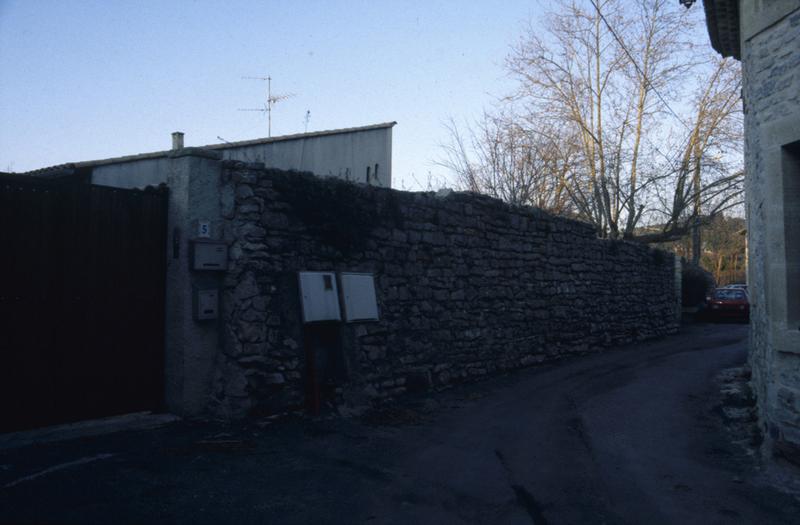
pixel 466 285
pixel 771 65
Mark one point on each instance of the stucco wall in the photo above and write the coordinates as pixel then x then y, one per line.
pixel 190 346
pixel 771 62
pixel 466 286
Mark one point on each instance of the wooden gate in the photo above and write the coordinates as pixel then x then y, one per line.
pixel 82 278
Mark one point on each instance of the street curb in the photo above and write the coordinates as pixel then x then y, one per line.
pixel 90 428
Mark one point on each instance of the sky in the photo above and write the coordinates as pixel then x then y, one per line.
pixel 83 80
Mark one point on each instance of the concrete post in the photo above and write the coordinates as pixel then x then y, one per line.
pixel 678 287
pixel 190 346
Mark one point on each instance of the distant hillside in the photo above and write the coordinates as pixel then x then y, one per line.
pixel 723 244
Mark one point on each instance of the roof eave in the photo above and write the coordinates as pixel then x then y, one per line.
pixel 225 145
pixel 722 22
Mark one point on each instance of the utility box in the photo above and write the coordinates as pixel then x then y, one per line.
pixel 319 296
pixel 209 255
pixel 205 304
pixel 358 294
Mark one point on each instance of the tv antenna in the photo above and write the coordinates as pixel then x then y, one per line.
pixel 271 101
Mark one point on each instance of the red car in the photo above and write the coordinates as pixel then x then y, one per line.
pixel 729 303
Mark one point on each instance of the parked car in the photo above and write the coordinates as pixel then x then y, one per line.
pixel 739 286
pixel 729 303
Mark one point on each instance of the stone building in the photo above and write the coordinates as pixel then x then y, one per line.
pixel 765 36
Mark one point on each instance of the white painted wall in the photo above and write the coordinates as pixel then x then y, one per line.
pixel 346 155
pixel 132 174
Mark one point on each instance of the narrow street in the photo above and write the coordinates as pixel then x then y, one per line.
pixel 634 435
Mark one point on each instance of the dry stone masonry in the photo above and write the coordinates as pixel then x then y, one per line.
pixel 467 286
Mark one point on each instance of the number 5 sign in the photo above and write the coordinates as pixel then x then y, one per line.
pixel 204 229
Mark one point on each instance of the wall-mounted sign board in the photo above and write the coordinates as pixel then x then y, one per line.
pixel 358 294
pixel 319 296
pixel 209 255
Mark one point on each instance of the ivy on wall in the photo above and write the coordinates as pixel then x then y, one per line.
pixel 335 212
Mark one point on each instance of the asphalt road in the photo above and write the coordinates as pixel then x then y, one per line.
pixel 634 435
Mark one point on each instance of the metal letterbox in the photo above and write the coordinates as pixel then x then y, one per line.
pixel 209 255
pixel 358 293
pixel 206 304
pixel 319 296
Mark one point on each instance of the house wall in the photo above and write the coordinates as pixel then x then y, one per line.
pixel 344 155
pixel 467 286
pixel 133 174
pixel 771 64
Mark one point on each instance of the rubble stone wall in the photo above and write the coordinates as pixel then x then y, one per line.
pixel 466 285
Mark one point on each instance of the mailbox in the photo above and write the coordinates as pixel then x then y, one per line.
pixel 358 293
pixel 206 304
pixel 209 255
pixel 319 296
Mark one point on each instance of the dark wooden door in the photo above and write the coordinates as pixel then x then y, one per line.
pixel 82 277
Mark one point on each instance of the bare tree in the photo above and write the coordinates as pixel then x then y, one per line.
pixel 499 157
pixel 595 86
pixel 706 179
pixel 722 250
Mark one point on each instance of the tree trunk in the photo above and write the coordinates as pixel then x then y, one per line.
pixel 696 251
